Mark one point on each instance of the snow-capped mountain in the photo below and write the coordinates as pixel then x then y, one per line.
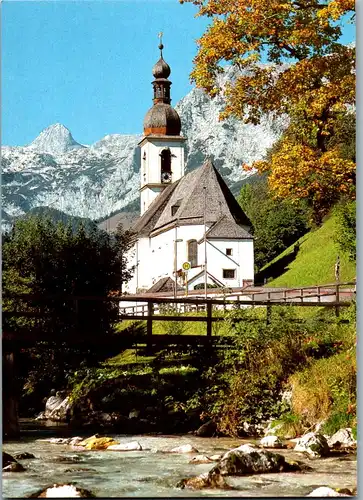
pixel 55 140
pixel 94 181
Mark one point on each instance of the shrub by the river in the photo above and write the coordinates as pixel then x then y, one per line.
pixel 246 383
pixel 325 390
pixel 243 383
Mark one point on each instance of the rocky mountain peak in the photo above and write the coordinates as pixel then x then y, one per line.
pixel 55 139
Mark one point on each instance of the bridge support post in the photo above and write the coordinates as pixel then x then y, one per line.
pixel 337 299
pixel 149 325
pixel 209 319
pixel 11 428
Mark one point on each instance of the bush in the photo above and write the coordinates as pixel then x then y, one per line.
pixel 346 228
pixel 326 390
pixel 246 383
pixel 288 426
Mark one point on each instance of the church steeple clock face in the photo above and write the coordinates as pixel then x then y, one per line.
pixel 165 177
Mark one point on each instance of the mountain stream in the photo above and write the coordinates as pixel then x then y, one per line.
pixel 154 473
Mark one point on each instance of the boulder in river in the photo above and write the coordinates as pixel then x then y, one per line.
pixel 62 491
pixel 205 480
pixel 344 437
pixel 201 459
pixel 10 464
pixel 271 442
pixel 185 448
pixel 134 414
pixel 14 467
pixel 207 430
pixel 57 408
pixel 325 491
pixel 24 456
pixel 243 461
pixel 74 441
pixel 132 446
pixel 314 444
pixel 247 448
pixel 97 443
pixel 56 440
pixel 7 459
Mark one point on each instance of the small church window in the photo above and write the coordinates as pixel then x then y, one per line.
pixel 193 252
pixel 229 251
pixel 229 274
pixel 174 209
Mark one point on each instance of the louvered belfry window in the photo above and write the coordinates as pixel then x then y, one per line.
pixel 193 252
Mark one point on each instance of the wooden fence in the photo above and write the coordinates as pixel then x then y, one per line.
pixel 155 308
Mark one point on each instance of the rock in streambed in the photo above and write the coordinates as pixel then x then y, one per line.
pixel 133 446
pixel 314 444
pixel 62 491
pixel 325 491
pixel 10 464
pixel 244 460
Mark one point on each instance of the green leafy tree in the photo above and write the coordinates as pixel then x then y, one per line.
pixel 123 241
pixel 346 235
pixel 309 76
pixel 51 260
pixel 276 223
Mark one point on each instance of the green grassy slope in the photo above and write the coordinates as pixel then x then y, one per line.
pixel 315 260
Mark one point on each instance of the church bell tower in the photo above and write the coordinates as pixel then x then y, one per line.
pixel 162 147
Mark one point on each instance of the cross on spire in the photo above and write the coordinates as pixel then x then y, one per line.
pixel 161 46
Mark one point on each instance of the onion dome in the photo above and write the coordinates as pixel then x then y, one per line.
pixel 162 119
pixel 161 69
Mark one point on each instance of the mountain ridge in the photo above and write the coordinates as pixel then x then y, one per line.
pixel 96 180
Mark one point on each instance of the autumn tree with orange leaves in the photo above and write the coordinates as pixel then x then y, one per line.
pixel 309 76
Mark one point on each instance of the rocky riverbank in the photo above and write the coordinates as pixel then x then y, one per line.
pixel 179 465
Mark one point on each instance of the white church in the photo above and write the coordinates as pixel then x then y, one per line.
pixel 190 221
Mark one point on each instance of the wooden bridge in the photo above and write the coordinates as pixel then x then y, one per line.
pixel 161 307
pixel 148 309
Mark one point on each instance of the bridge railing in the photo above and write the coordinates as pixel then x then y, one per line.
pixel 154 308
pixel 299 294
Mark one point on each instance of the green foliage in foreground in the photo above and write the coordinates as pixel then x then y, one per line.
pixel 315 259
pixel 346 236
pixel 47 259
pixel 314 358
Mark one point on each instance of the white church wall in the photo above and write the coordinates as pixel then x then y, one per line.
pixel 155 258
pixel 148 195
pixel 240 261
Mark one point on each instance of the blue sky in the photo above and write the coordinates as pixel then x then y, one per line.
pixel 88 64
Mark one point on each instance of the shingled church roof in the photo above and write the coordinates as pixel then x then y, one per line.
pixel 182 203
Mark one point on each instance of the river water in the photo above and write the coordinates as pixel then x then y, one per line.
pixel 153 473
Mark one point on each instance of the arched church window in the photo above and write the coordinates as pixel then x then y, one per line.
pixel 193 252
pixel 165 156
